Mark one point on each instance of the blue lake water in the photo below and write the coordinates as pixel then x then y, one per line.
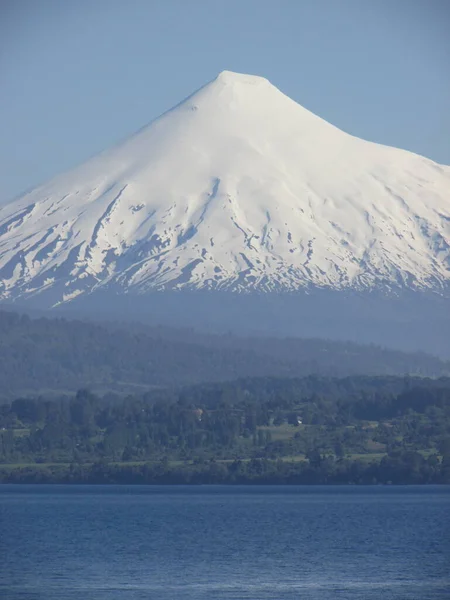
pixel 196 543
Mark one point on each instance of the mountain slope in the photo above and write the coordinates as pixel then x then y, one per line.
pixel 237 188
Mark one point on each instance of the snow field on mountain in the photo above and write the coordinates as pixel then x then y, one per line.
pixel 240 188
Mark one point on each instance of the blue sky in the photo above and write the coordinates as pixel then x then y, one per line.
pixel 78 75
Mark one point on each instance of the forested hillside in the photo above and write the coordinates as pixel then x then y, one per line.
pixel 41 355
pixel 310 430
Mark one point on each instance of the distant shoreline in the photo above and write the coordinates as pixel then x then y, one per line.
pixel 271 473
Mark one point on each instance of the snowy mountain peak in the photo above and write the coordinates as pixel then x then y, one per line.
pixel 232 91
pixel 238 187
pixel 231 77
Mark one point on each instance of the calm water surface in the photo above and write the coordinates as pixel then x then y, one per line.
pixel 186 543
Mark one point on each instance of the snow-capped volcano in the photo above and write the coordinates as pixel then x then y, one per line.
pixel 238 187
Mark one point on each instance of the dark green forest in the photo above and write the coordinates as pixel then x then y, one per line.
pixel 40 355
pixel 315 429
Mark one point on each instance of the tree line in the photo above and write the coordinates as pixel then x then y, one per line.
pixel 314 429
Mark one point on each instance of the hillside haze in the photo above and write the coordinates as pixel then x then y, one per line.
pixel 240 190
pixel 41 355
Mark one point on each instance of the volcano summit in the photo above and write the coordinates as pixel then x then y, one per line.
pixel 238 188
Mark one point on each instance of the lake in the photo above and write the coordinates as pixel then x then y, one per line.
pixel 223 543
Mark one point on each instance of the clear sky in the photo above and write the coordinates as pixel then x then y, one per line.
pixel 78 75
